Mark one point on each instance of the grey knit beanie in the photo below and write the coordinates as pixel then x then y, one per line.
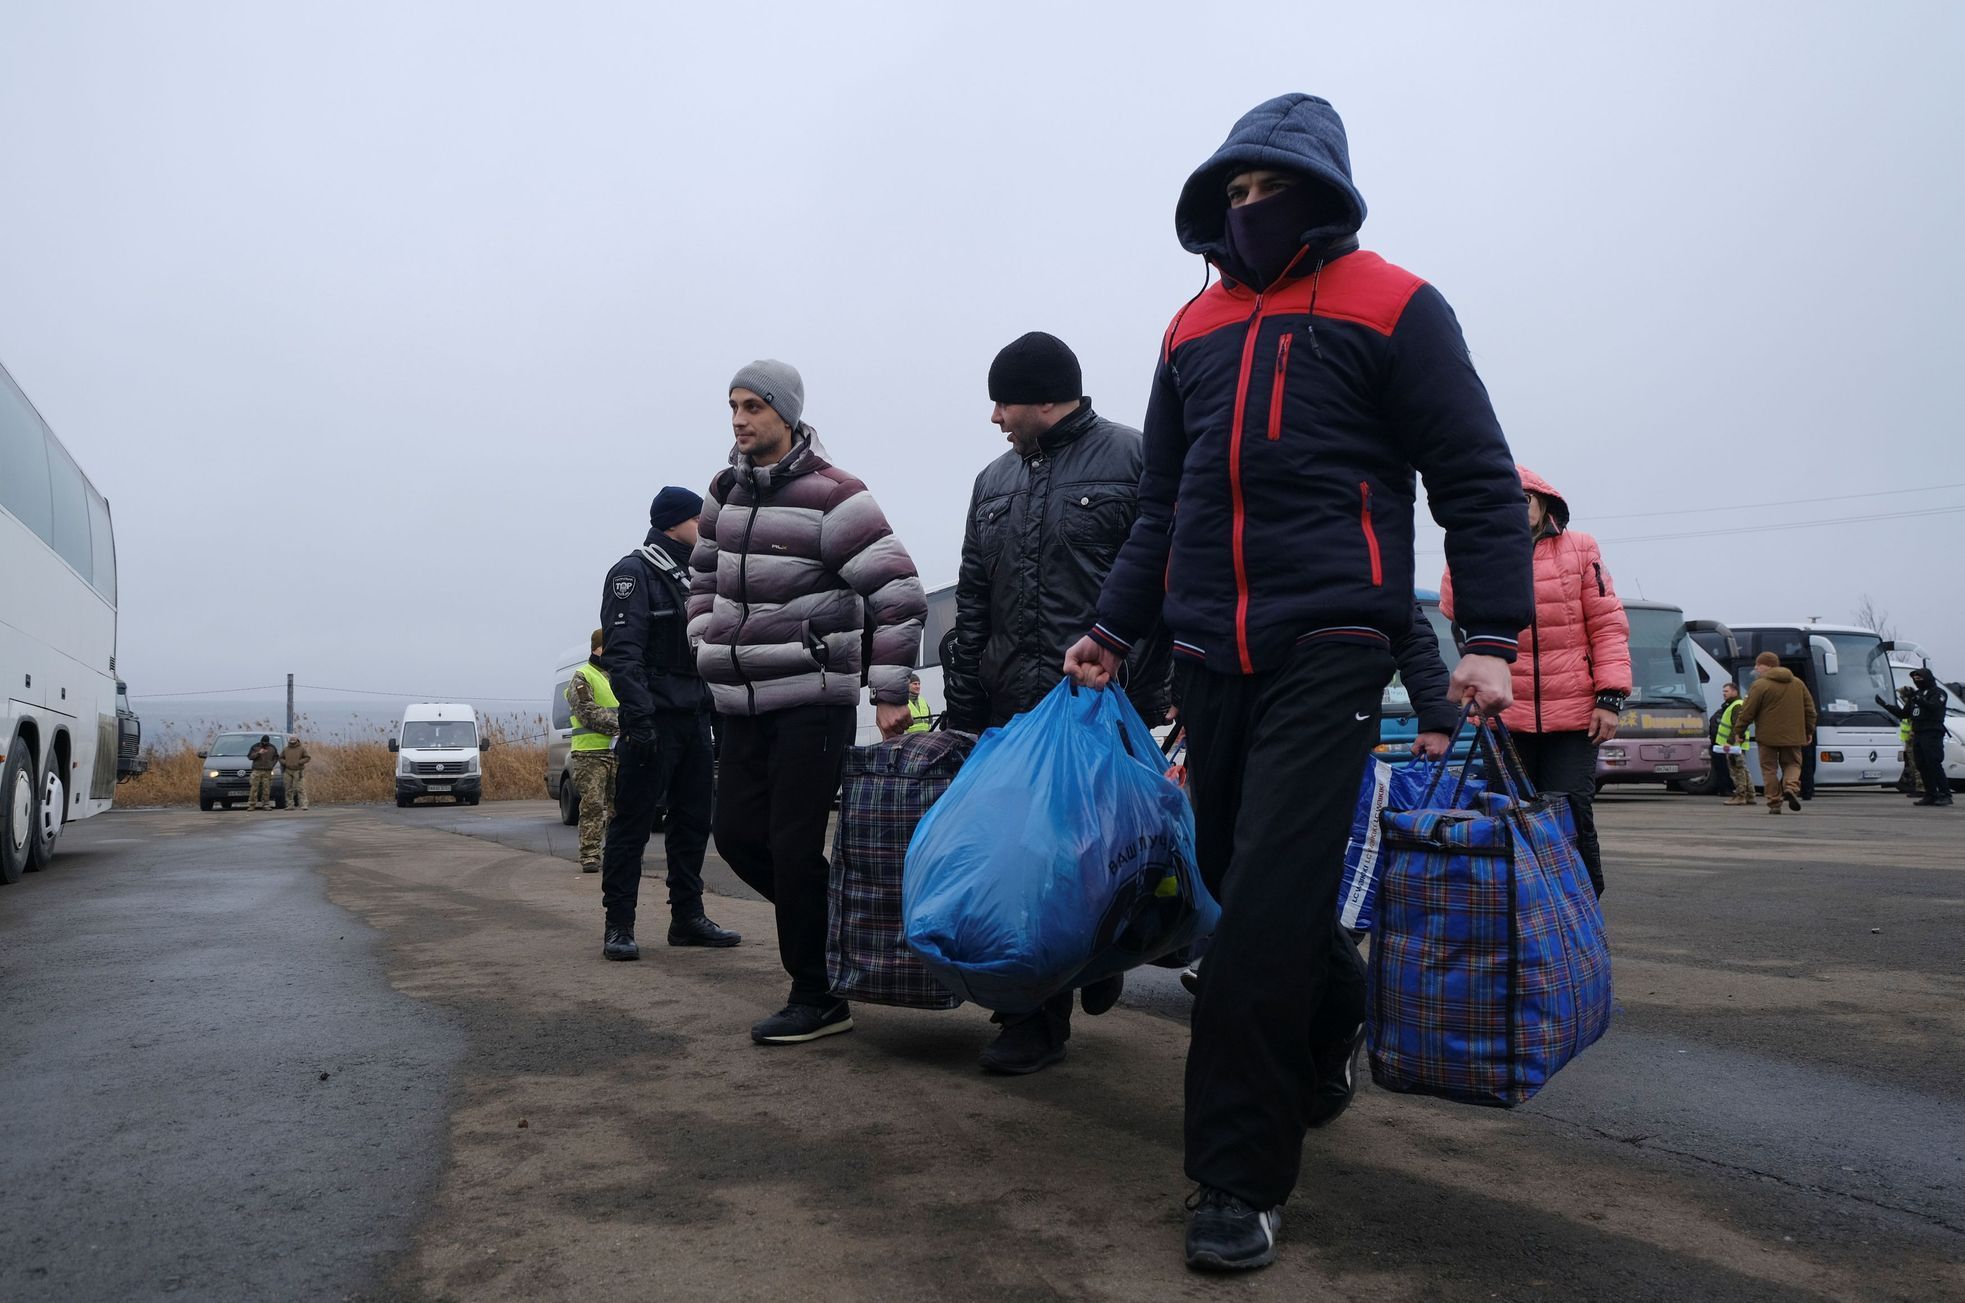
pixel 778 384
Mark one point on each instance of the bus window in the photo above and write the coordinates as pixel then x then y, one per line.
pixel 24 488
pixel 1860 675
pixel 103 544
pixel 70 537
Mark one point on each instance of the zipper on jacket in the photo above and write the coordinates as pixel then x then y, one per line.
pixel 744 600
pixel 1371 535
pixel 1235 473
pixel 1598 567
pixel 1276 387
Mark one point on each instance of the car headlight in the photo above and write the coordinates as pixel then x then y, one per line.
pixel 1611 753
pixel 211 773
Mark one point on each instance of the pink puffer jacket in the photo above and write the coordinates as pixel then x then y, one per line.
pixel 1580 643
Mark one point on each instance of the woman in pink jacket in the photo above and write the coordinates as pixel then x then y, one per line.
pixel 1574 668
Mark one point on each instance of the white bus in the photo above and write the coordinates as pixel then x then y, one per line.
pixel 1845 667
pixel 57 639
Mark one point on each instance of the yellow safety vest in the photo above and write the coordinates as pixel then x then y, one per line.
pixel 917 710
pixel 584 738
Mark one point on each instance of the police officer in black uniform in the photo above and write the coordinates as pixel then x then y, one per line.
pixel 664 747
pixel 1924 710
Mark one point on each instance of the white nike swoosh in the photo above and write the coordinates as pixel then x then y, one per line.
pixel 1363 717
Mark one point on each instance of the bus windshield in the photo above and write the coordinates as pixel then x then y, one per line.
pixel 1662 671
pixel 440 734
pixel 1851 680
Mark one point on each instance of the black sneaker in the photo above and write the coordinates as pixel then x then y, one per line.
pixel 1225 1234
pixel 593 867
pixel 1794 803
pixel 797 1023
pixel 699 931
pixel 1099 997
pixel 620 944
pixel 1337 1079
pixel 1025 1046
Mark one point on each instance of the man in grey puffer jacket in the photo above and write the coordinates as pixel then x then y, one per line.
pixel 793 562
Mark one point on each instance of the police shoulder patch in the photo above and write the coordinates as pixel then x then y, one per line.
pixel 624 587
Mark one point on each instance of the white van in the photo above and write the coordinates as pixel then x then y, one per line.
pixel 437 748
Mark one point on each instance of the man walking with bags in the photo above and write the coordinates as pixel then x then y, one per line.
pixel 1045 520
pixel 1293 402
pixel 794 565
pixel 664 752
pixel 1781 711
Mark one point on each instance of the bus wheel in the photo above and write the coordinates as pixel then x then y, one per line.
pixel 16 811
pixel 47 821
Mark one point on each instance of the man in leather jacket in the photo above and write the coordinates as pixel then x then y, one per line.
pixel 664 741
pixel 1044 523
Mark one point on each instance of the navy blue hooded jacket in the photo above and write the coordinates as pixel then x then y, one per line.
pixel 1288 425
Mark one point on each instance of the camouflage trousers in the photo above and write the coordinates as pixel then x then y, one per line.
pixel 296 789
pixel 260 793
pixel 1736 765
pixel 593 778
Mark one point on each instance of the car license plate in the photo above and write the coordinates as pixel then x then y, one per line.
pixel 1666 769
pixel 1872 775
pixel 440 787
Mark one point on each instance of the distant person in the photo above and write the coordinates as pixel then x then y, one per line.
pixel 295 759
pixel 1730 747
pixel 664 749
pixel 1722 778
pixel 595 713
pixel 1574 669
pixel 1781 711
pixel 264 755
pixel 1924 711
pixel 920 718
pixel 1046 518
pixel 1911 781
pixel 794 565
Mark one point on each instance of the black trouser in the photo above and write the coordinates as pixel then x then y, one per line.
pixel 682 770
pixel 1567 763
pixel 778 775
pixel 1273 761
pixel 1055 1012
pixel 1929 749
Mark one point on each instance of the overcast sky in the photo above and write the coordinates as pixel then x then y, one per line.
pixel 380 323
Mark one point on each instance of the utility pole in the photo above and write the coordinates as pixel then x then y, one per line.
pixel 289 705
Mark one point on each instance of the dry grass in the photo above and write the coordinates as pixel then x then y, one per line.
pixel 348 772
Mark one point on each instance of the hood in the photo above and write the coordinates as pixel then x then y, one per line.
pixel 1779 674
pixel 807 454
pixel 1558 505
pixel 1291 133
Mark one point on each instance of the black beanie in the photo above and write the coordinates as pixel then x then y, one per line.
pixel 672 506
pixel 1038 368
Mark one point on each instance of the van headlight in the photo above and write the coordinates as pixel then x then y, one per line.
pixel 211 773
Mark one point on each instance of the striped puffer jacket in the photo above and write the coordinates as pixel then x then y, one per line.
pixel 791 561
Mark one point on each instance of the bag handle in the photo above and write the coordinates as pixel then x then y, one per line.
pixel 1514 775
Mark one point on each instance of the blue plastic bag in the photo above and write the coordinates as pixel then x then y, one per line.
pixel 1386 787
pixel 1490 968
pixel 1060 855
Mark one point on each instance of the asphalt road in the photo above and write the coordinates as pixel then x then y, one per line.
pixel 1776 1113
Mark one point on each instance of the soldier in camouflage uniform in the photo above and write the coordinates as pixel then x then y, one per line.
pixel 596 718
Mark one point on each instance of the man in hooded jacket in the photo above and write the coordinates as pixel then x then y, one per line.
pixel 1781 711
pixel 1294 401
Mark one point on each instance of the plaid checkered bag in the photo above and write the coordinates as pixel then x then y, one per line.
pixel 1489 965
pixel 886 791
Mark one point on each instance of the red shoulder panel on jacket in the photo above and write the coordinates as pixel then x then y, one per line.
pixel 1360 287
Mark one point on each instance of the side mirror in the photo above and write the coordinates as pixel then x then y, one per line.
pixel 394 746
pixel 1831 663
pixel 484 744
pixel 203 754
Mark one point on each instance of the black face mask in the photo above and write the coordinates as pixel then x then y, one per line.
pixel 1264 236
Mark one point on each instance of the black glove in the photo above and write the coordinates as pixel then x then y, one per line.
pixel 638 745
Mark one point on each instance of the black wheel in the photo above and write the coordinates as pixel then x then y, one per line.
pixel 16 811
pixel 206 803
pixel 473 800
pixel 569 801
pixel 1700 786
pixel 404 802
pixel 48 815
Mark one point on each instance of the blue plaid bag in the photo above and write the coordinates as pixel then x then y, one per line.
pixel 1489 965
pixel 1386 787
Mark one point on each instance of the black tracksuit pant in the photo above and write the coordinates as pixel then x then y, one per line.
pixel 778 775
pixel 1928 749
pixel 1566 763
pixel 1273 763
pixel 683 770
